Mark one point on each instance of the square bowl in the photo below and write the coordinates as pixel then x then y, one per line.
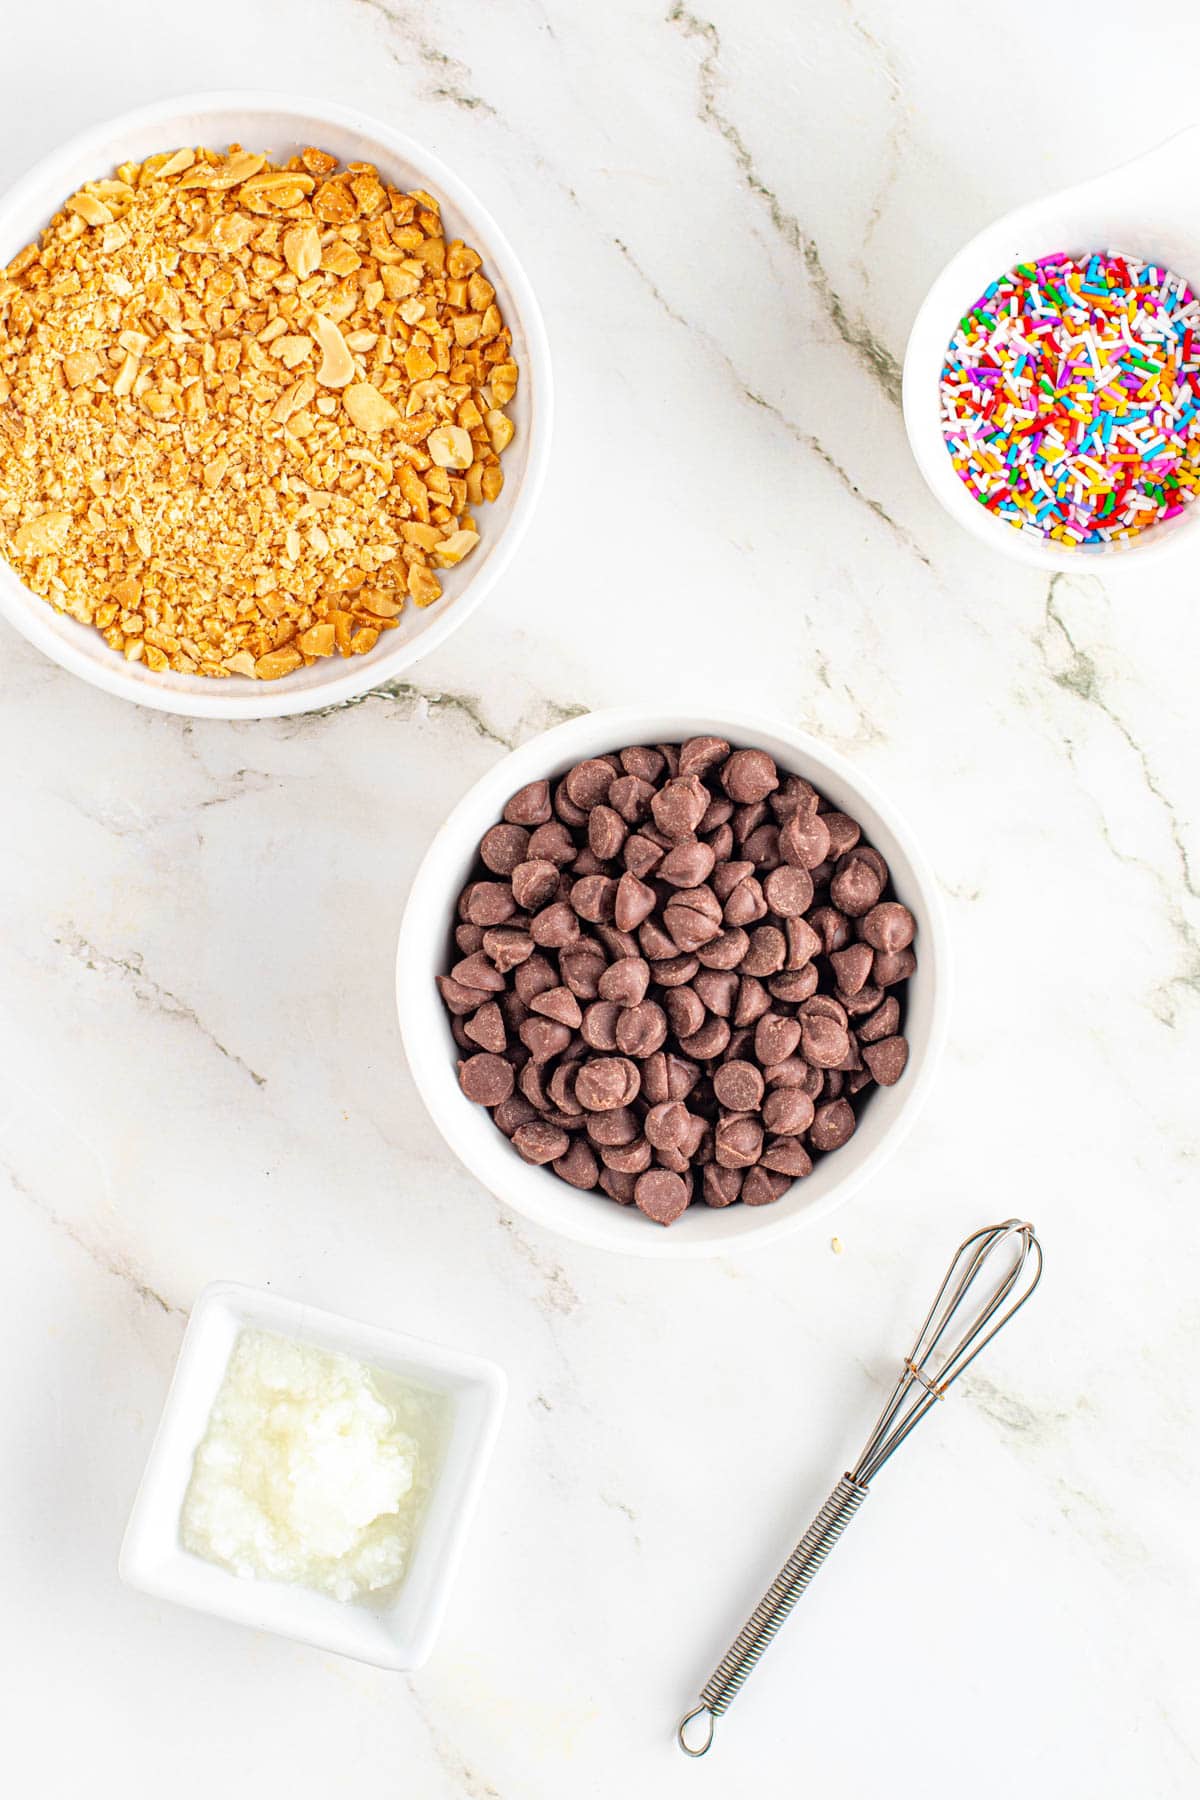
pixel 394 1630
pixel 283 124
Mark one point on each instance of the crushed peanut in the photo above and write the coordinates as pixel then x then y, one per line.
pixel 246 410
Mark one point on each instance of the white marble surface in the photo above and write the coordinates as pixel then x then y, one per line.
pixel 731 215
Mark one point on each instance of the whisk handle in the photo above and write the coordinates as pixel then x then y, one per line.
pixel 723 1684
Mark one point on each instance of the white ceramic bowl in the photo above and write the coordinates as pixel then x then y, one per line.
pixel 592 1218
pixel 394 1632
pixel 1146 208
pixel 283 124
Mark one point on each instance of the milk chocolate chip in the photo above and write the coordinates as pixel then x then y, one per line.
pixel 503 847
pixel 677 974
pixel 679 806
pixel 833 1125
pixel 529 805
pixel 749 775
pixel 857 883
pixel 579 1166
pixel 540 1142
pixel 641 1029
pixel 486 1079
pixel 889 927
pixel 739 1086
pixel 887 1059
pixel 534 884
pixel 721 1186
pixel 589 782
pixel 634 902
pixel 738 1141
pixel 700 754
pixel 661 1195
pixel 606 1082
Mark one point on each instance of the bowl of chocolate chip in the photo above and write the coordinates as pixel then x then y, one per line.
pixel 672 983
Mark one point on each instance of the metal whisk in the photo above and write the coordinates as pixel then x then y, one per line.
pixel 991 1277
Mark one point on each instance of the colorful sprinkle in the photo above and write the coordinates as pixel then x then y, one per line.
pixel 1070 397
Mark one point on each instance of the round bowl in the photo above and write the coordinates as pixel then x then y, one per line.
pixel 1146 209
pixel 592 1218
pixel 283 124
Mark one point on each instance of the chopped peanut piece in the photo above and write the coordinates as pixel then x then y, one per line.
pixel 127 376
pixel 419 364
pixel 342 627
pixel 297 396
pixel 504 382
pixel 318 162
pixel 89 209
pixel 452 549
pixel 461 259
pixel 174 165
pixel 302 251
pixel 450 447
pixel 368 408
pixel 291 351
pixel 277 663
pixel 499 430
pixel 381 606
pixel 480 293
pixel 245 409
pixel 340 259
pixel 415 492
pixel 334 203
pixel 239 168
pixel 370 193
pixel 42 535
pixel 83 366
pixel 423 585
pixel 317 640
pixel 337 364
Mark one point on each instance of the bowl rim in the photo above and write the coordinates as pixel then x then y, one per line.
pixel 33 618
pixel 507 1178
pixel 1022 232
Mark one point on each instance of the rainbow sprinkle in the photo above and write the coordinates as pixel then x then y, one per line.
pixel 1070 397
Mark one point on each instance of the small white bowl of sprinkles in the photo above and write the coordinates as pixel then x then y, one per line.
pixel 279 478
pixel 1052 377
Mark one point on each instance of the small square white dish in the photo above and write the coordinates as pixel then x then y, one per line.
pixel 394 1630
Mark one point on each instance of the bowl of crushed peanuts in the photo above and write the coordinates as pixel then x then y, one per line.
pixel 275 405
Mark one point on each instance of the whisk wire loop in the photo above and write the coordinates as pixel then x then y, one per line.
pixel 954 1331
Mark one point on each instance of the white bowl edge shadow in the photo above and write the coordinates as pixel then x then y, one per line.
pixel 394 1631
pixel 284 123
pixel 592 1218
pixel 1144 207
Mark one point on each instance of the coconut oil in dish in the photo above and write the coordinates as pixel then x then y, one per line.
pixel 314 1469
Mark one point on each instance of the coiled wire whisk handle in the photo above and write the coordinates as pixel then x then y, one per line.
pixel 727 1678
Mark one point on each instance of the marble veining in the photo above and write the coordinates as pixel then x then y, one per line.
pixel 806 440
pixel 874 356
